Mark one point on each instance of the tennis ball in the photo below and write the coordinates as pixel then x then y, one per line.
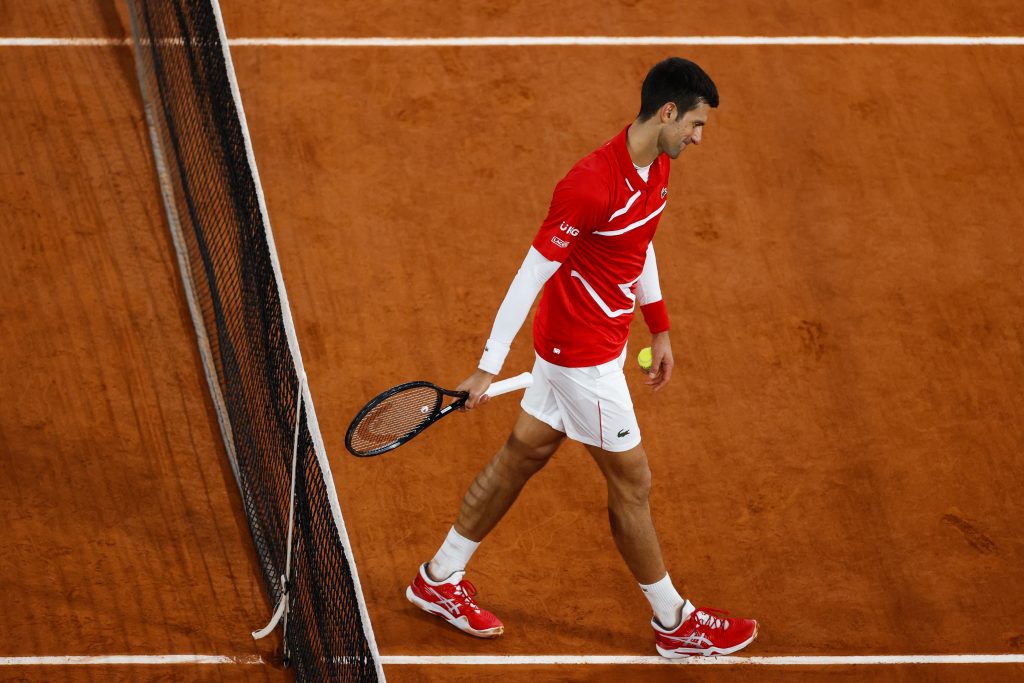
pixel 644 359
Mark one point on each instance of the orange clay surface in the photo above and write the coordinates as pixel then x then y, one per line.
pixel 122 529
pixel 837 455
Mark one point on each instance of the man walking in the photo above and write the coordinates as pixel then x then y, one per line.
pixel 594 258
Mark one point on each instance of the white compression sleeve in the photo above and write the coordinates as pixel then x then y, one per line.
pixel 648 287
pixel 535 271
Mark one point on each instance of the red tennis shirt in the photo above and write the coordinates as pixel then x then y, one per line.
pixel 602 217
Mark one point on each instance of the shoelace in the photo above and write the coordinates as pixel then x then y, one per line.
pixel 466 591
pixel 711 618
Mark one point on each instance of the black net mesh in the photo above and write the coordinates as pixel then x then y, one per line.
pixel 211 194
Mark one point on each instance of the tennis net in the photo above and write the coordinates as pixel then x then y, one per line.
pixel 232 278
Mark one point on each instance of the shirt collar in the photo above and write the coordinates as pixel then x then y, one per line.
pixel 626 162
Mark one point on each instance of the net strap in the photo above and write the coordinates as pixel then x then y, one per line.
pixel 282 605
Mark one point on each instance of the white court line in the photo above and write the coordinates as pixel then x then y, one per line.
pixel 523 41
pixel 534 660
pixel 78 660
pixel 63 42
pixel 544 41
pixel 498 660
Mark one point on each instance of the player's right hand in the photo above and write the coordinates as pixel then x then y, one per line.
pixel 476 384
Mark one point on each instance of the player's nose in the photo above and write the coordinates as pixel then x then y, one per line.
pixel 695 138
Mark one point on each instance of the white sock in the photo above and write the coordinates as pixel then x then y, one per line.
pixel 452 556
pixel 670 609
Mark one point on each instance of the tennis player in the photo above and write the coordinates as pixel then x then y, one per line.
pixel 594 258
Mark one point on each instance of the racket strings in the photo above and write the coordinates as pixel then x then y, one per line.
pixel 394 418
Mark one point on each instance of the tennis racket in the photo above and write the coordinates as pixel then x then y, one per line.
pixel 400 413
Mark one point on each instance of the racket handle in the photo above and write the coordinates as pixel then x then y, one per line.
pixel 511 384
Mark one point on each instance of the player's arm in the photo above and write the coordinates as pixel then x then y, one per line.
pixel 652 305
pixel 533 273
pixel 578 204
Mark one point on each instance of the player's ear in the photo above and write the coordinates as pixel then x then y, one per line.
pixel 668 112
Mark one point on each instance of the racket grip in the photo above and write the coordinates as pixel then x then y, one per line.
pixel 511 384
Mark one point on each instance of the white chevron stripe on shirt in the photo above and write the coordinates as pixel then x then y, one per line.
pixel 631 226
pixel 626 207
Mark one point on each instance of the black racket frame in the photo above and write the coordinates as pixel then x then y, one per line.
pixel 436 414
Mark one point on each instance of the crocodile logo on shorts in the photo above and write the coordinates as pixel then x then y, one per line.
pixel 623 432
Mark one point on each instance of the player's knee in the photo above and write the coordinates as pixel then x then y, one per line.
pixel 632 483
pixel 529 458
pixel 640 484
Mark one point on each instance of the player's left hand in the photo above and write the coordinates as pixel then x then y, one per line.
pixel 661 361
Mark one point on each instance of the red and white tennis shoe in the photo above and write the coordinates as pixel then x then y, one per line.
pixel 705 632
pixel 454 601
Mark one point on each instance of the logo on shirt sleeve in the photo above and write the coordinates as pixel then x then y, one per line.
pixel 568 229
pixel 664 192
pixel 561 243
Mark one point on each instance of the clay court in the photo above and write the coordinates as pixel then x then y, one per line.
pixel 839 451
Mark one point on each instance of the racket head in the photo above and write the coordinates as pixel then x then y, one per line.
pixel 395 416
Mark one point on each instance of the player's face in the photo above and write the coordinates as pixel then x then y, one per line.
pixel 684 130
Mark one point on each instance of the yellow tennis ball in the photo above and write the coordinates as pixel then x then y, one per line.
pixel 644 359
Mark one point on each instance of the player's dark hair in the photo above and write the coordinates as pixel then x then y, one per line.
pixel 679 81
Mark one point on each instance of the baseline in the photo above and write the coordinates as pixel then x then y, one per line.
pixel 875 660
pixel 79 660
pixel 545 41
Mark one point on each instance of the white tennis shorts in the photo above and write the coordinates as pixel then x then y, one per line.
pixel 590 405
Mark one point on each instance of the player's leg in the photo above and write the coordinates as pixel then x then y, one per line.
pixel 496 487
pixel 439 586
pixel 680 629
pixel 527 449
pixel 628 477
pixel 534 439
pixel 598 411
